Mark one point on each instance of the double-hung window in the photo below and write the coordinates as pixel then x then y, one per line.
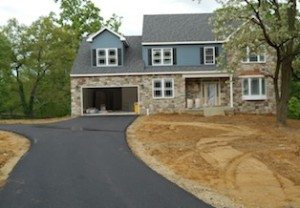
pixel 252 57
pixel 209 55
pixel 107 57
pixel 254 88
pixel 162 56
pixel 163 88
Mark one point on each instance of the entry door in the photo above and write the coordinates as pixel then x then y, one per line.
pixel 210 94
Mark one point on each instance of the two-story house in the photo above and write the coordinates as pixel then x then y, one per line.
pixel 172 67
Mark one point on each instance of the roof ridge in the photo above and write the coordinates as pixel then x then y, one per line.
pixel 178 14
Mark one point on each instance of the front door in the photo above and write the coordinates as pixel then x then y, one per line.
pixel 211 94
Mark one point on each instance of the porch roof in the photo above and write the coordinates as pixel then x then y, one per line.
pixel 207 74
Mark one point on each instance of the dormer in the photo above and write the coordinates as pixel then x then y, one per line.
pixel 108 48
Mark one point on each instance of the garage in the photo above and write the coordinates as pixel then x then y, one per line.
pixel 109 100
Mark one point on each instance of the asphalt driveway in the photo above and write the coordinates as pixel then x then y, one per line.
pixel 85 162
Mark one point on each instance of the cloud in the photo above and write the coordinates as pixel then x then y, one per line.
pixel 131 10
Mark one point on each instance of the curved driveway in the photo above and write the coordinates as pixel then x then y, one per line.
pixel 85 162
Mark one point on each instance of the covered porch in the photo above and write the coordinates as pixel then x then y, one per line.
pixel 209 93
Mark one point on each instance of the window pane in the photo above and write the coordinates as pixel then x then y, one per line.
pixel 263 86
pixel 262 57
pixel 157 61
pixel 168 84
pixel 157 93
pixel 156 53
pixel 168 93
pixel 167 61
pixel 167 53
pixel 253 58
pixel 209 55
pixel 101 61
pixel 254 86
pixel 112 61
pixel 101 52
pixel 245 87
pixel 112 52
pixel 157 84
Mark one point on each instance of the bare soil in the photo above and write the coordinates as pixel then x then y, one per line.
pixel 237 161
pixel 12 148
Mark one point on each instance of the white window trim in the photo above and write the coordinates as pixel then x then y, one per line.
pixel 254 97
pixel 258 58
pixel 163 80
pixel 106 57
pixel 214 55
pixel 162 57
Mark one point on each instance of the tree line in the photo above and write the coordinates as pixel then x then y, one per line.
pixel 35 60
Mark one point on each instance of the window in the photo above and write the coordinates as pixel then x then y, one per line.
pixel 254 88
pixel 252 57
pixel 107 57
pixel 163 88
pixel 162 56
pixel 209 55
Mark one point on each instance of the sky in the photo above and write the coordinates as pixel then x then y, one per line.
pixel 26 11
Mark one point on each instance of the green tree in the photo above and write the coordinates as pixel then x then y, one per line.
pixel 271 23
pixel 81 16
pixel 37 51
pixel 114 22
pixel 84 17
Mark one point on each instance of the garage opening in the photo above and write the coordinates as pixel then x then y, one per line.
pixel 109 100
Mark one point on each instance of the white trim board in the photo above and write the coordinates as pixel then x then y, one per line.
pixel 145 73
pixel 251 76
pixel 205 75
pixel 92 36
pixel 183 42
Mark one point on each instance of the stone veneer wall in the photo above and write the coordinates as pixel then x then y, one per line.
pixel 255 106
pixel 194 85
pixel 144 82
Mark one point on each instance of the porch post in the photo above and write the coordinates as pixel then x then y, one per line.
pixel 231 91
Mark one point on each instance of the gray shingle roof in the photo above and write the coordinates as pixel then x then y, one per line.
pixel 157 28
pixel 132 60
pixel 177 27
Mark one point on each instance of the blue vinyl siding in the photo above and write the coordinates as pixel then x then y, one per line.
pixel 187 55
pixel 108 40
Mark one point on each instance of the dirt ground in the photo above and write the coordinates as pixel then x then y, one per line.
pixel 12 148
pixel 33 121
pixel 237 161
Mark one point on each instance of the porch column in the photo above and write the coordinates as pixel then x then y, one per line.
pixel 231 91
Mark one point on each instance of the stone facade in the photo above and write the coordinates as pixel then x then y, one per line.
pixel 183 88
pixel 144 84
pixel 267 106
pixel 194 89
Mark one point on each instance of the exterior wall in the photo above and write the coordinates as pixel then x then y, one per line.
pixel 194 89
pixel 144 83
pixel 187 55
pixel 254 106
pixel 267 106
pixel 107 40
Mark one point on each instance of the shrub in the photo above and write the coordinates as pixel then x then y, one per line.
pixel 294 108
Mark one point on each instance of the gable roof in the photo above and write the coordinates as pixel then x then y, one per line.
pixel 178 28
pixel 132 58
pixel 92 36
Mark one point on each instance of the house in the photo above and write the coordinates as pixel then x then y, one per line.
pixel 171 67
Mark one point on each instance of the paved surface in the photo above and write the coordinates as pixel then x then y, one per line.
pixel 85 162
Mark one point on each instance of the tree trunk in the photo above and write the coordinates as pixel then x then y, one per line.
pixel 282 103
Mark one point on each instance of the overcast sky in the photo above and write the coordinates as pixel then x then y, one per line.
pixel 132 11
